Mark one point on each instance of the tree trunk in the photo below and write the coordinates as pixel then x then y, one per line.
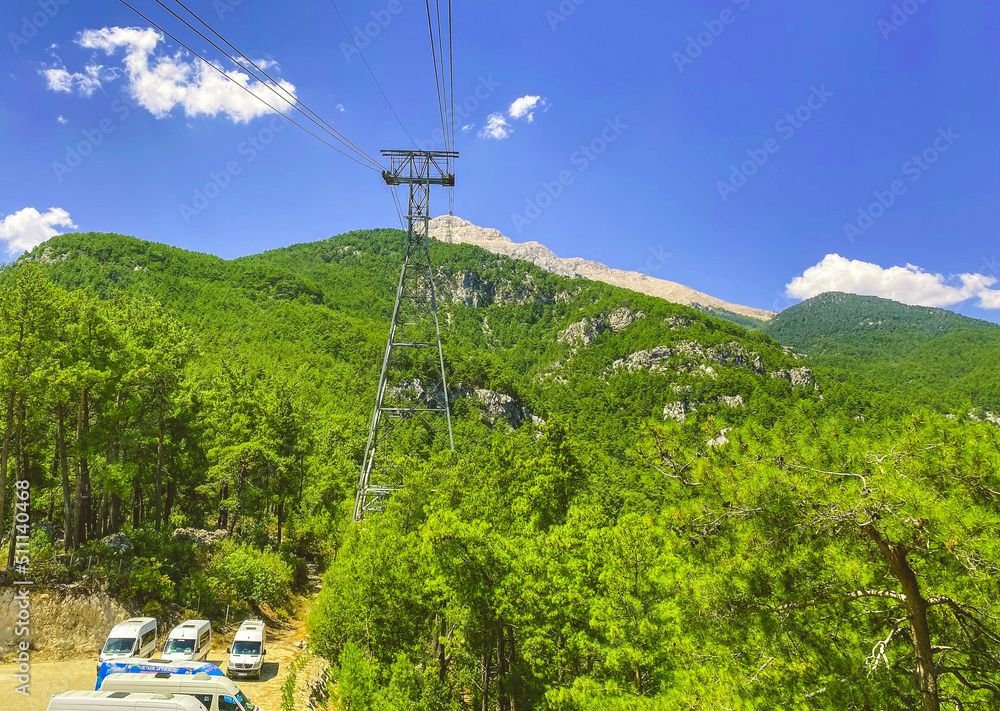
pixel 223 521
pixel 21 468
pixel 501 671
pixel 281 511
pixel 487 673
pixel 116 513
pixel 171 495
pixel 83 473
pixel 916 606
pixel 5 451
pixel 159 478
pixel 64 471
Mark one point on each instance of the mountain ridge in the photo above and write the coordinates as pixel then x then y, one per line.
pixel 465 232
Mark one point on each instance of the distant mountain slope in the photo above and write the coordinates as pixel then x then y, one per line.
pixel 317 314
pixel 931 356
pixel 464 232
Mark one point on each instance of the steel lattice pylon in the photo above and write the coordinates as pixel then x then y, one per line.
pixel 413 385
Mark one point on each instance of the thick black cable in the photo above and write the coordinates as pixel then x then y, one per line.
pixel 247 90
pixel 444 83
pixel 437 77
pixel 293 99
pixel 361 54
pixel 451 60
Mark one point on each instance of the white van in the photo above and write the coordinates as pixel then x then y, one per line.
pixel 121 701
pixel 215 693
pixel 189 642
pixel 246 656
pixel 132 638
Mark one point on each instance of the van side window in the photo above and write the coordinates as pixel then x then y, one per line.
pixel 204 640
pixel 148 637
pixel 205 699
pixel 228 703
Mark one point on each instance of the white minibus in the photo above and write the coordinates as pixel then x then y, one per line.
pixel 121 701
pixel 216 693
pixel 132 638
pixel 246 656
pixel 189 642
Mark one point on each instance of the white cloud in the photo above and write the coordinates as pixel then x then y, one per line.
pixel 28 228
pixel 525 107
pixel 84 83
pixel 62 119
pixel 160 82
pixel 496 128
pixel 340 108
pixel 909 284
pixel 468 127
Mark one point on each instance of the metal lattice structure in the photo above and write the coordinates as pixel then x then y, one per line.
pixel 413 387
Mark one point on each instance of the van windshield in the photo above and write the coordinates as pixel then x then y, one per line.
pixel 246 648
pixel 119 645
pixel 179 646
pixel 245 702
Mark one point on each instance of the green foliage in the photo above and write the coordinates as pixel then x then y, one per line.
pixel 251 576
pixel 591 558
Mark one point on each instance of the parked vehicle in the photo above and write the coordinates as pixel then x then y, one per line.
pixel 132 638
pixel 246 656
pixel 151 666
pixel 216 693
pixel 189 642
pixel 122 701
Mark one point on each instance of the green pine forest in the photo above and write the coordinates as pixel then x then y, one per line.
pixel 667 510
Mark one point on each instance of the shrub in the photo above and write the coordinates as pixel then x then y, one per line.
pixel 253 576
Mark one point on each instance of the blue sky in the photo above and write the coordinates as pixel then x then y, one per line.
pixel 759 152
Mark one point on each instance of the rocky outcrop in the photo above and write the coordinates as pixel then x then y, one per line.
pixel 460 231
pixel 583 333
pixel 691 357
pixel 679 411
pixel 65 623
pixel 199 537
pixel 798 377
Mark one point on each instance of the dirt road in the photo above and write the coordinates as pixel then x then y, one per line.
pixel 51 677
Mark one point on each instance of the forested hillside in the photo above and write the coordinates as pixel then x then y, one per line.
pixel 648 507
pixel 932 357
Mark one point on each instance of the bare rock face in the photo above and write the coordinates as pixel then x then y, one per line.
pixel 64 623
pixel 622 318
pixel 798 377
pixel 679 411
pixel 199 537
pixel 582 333
pixel 676 411
pixel 691 357
pixel 463 232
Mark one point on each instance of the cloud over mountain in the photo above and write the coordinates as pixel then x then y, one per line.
pixel 908 284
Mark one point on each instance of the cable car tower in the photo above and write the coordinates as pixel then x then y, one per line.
pixel 413 385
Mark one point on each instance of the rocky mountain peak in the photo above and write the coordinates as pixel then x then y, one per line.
pixel 464 232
